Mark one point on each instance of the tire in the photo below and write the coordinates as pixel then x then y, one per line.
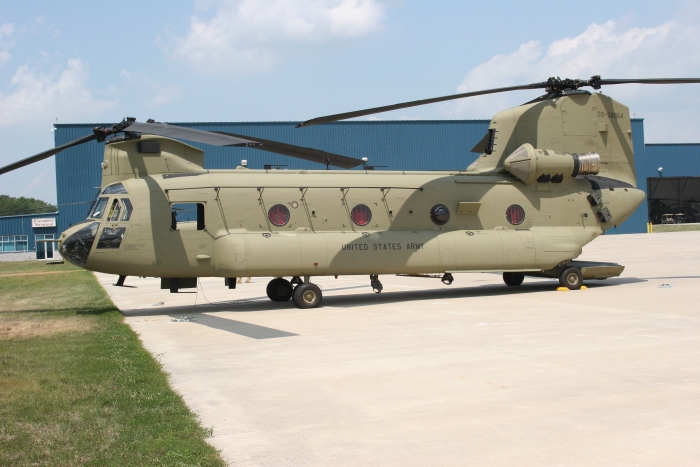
pixel 307 295
pixel 513 278
pixel 279 290
pixel 571 278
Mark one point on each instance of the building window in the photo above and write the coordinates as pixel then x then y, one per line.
pixel 439 214
pixel 361 215
pixel 14 243
pixel 515 214
pixel 278 215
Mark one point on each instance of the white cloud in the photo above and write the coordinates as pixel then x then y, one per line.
pixel 248 35
pixel 6 43
pixel 671 49
pixel 33 96
pixel 158 94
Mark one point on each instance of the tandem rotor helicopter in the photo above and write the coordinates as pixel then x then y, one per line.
pixel 553 174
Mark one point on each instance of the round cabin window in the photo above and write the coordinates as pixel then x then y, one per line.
pixel 515 214
pixel 278 215
pixel 439 214
pixel 361 215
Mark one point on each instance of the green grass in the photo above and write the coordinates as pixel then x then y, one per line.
pixel 78 388
pixel 658 228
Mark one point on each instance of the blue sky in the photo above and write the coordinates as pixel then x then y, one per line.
pixel 244 60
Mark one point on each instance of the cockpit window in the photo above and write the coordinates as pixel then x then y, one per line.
pixel 127 209
pixel 116 189
pixel 114 211
pixel 99 209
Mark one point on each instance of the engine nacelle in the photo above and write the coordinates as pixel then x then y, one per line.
pixel 543 165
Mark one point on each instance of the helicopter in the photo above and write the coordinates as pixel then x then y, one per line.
pixel 553 174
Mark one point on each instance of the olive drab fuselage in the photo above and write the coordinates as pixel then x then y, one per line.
pixel 498 218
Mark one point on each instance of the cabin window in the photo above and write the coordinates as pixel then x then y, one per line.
pixel 278 215
pixel 361 215
pixel 111 238
pixel 99 209
pixel 515 214
pixel 188 216
pixel 116 189
pixel 439 214
pixel 128 208
pixel 114 211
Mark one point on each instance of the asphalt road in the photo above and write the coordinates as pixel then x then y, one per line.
pixel 476 373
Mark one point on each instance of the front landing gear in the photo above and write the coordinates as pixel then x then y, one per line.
pixel 280 290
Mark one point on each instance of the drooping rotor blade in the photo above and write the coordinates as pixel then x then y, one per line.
pixel 300 152
pixel 46 154
pixel 552 86
pixel 220 138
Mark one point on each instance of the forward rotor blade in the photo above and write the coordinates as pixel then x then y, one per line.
pixel 46 154
pixel 220 138
pixel 300 152
pixel 404 105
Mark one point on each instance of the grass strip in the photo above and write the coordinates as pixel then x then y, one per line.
pixel 78 388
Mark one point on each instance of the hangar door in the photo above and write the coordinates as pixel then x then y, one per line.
pixel 673 200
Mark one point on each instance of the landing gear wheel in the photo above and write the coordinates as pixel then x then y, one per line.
pixel 513 278
pixel 307 295
pixel 279 290
pixel 571 278
pixel 447 279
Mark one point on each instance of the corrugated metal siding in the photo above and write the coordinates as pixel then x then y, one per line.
pixel 400 145
pixel 22 225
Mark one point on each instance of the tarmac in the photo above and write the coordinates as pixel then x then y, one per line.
pixel 476 373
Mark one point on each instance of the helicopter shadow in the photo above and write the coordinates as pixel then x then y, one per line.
pixel 487 290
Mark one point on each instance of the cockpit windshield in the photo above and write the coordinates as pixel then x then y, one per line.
pixel 99 209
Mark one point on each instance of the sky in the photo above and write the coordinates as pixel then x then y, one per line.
pixel 291 60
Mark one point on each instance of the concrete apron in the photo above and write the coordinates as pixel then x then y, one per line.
pixel 476 373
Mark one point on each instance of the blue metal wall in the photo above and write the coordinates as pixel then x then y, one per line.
pixel 22 225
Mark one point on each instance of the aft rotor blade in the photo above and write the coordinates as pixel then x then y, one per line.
pixel 220 138
pixel 46 154
pixel 650 81
pixel 404 105
pixel 552 85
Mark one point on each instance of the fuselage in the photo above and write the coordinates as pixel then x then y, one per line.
pixel 295 223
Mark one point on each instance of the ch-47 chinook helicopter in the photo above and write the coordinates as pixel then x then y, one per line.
pixel 554 174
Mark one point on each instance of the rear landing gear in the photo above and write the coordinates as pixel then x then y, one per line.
pixel 513 278
pixel 447 279
pixel 307 295
pixel 280 290
pixel 571 278
pixel 376 285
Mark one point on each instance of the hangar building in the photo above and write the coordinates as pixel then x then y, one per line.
pixel 389 145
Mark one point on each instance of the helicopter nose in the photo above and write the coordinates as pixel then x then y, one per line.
pixel 76 247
